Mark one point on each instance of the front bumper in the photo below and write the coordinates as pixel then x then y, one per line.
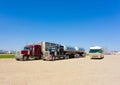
pixel 95 55
pixel 18 55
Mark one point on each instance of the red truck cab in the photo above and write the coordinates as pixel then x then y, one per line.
pixel 29 51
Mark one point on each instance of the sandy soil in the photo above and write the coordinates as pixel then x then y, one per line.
pixel 79 71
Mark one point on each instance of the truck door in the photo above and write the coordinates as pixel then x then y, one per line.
pixel 38 50
pixel 52 51
pixel 61 50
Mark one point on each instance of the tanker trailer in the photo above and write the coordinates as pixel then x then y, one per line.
pixel 73 52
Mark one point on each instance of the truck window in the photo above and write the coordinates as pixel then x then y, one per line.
pixel 26 48
pixel 52 50
pixel 95 51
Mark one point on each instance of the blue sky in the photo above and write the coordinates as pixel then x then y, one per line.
pixel 81 23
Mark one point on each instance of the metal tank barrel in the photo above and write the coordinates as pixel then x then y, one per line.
pixel 70 48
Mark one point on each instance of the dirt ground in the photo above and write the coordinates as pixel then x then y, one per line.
pixel 79 71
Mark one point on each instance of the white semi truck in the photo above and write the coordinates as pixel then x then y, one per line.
pixel 53 51
pixel 96 52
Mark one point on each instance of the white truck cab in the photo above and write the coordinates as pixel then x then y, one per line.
pixel 96 52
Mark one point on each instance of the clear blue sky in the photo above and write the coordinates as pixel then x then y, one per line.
pixel 81 23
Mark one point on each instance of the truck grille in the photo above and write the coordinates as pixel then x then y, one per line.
pixel 18 53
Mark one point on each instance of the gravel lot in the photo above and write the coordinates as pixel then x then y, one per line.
pixel 79 71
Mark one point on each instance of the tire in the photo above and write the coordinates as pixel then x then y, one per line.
pixel 25 58
pixel 53 58
pixel 67 57
pixel 37 58
pixel 18 59
pixel 83 55
pixel 77 55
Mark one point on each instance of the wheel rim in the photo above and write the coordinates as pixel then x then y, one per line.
pixel 53 58
pixel 67 57
pixel 25 58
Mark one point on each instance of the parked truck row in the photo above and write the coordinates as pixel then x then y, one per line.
pixel 53 51
pixel 49 51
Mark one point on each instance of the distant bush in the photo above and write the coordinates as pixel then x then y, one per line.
pixel 7 55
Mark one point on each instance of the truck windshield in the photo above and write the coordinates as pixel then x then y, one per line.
pixel 52 50
pixel 95 51
pixel 26 48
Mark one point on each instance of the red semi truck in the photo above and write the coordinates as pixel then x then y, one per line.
pixel 48 51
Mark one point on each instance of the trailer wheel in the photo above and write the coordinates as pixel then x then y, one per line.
pixel 67 57
pixel 77 55
pixel 37 57
pixel 83 55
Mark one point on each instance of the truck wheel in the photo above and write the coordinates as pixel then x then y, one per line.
pixel 25 58
pixel 53 58
pixel 18 59
pixel 39 57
